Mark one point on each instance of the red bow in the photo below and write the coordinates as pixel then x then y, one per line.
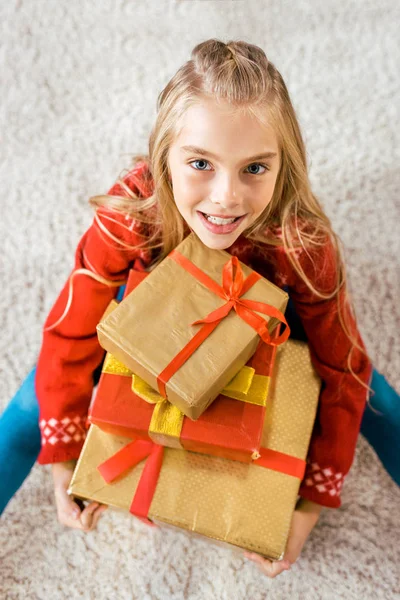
pixel 130 455
pixel 233 287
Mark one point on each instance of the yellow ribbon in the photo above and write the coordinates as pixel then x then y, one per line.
pixel 114 367
pixel 167 420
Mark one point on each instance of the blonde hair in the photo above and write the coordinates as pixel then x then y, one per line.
pixel 241 74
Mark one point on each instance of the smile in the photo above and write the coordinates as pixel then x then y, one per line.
pixel 218 224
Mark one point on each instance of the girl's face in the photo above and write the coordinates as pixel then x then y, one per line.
pixel 223 167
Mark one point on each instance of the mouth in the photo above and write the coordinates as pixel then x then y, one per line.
pixel 218 224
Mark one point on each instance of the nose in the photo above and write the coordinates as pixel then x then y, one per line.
pixel 225 191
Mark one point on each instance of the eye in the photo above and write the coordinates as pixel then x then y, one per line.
pixel 202 164
pixel 253 168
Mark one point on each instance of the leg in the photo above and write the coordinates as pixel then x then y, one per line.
pixel 120 294
pixel 382 431
pixel 19 439
pixel 20 435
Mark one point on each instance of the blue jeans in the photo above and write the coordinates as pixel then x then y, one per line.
pixel 20 435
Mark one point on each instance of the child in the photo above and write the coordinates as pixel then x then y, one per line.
pixel 227 161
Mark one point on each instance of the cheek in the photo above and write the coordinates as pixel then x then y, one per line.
pixel 187 192
pixel 261 199
pixel 185 197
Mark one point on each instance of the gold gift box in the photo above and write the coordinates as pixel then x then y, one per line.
pixel 242 504
pixel 148 329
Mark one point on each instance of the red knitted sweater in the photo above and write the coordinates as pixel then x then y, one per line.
pixel 70 351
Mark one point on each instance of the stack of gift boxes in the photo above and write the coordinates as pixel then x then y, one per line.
pixel 204 410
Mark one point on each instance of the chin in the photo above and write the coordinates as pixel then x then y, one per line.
pixel 215 242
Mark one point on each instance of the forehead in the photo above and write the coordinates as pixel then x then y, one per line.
pixel 218 124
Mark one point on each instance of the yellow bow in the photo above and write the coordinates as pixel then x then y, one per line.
pixel 167 420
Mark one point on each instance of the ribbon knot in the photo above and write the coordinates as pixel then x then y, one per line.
pixel 234 286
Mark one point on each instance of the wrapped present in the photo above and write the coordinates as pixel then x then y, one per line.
pixel 246 505
pixel 184 333
pixel 231 427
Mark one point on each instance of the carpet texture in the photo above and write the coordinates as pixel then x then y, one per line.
pixel 80 81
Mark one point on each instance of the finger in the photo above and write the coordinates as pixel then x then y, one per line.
pixel 270 568
pixel 102 508
pixel 252 556
pixel 65 518
pixel 255 557
pixel 96 515
pixel 67 508
pixel 87 515
pixel 70 522
pixel 273 569
pixel 258 558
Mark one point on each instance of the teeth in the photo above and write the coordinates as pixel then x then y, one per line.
pixel 218 220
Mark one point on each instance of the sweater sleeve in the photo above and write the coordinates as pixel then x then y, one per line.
pixel 342 398
pixel 70 351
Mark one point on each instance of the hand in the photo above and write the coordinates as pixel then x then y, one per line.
pixel 304 519
pixel 73 513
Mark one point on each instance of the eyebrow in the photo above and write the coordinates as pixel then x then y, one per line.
pixel 203 152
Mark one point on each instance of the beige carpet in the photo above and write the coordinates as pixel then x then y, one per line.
pixel 80 80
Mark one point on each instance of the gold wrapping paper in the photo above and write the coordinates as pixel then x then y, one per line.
pixel 153 323
pixel 244 505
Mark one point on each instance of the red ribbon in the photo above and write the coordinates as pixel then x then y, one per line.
pixel 233 287
pixel 136 451
pixel 128 457
pixel 279 461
